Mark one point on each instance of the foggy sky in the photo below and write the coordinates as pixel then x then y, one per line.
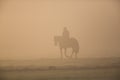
pixel 27 27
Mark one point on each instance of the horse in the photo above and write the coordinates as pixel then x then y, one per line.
pixel 67 43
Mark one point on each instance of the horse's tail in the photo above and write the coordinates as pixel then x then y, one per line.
pixel 75 45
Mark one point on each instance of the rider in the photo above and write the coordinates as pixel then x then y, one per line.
pixel 66 34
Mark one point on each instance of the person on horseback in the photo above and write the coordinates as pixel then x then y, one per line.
pixel 66 34
pixel 65 41
pixel 66 37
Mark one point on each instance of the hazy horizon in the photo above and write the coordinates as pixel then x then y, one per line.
pixel 27 28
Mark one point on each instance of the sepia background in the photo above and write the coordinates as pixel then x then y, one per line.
pixel 27 30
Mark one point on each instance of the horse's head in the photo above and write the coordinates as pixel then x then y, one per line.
pixel 57 39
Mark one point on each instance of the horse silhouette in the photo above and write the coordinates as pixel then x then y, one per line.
pixel 64 44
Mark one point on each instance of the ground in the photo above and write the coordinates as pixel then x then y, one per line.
pixel 97 69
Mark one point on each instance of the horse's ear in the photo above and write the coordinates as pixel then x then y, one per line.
pixel 54 37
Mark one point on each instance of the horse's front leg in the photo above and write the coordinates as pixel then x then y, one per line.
pixel 61 53
pixel 65 52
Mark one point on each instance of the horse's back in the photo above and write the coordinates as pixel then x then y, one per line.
pixel 74 41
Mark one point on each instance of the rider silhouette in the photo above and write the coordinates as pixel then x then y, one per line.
pixel 66 34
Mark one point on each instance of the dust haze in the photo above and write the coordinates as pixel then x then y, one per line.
pixel 27 27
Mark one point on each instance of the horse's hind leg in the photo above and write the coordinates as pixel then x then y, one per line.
pixel 72 54
pixel 75 55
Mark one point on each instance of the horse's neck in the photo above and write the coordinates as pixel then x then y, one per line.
pixel 59 37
